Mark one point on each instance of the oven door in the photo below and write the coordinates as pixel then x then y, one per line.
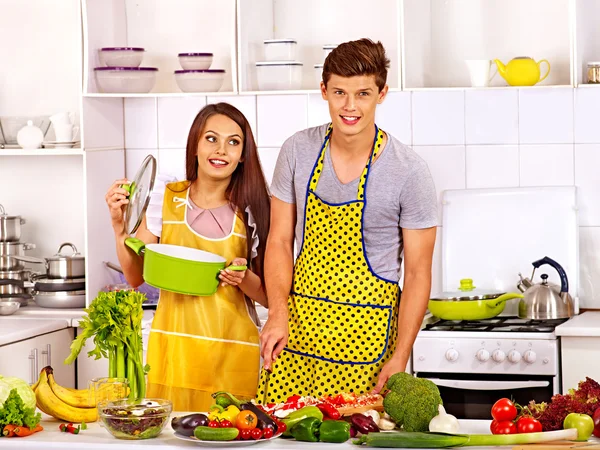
pixel 471 396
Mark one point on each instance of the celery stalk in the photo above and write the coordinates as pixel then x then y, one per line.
pixel 112 366
pixel 521 438
pixel 141 375
pixel 120 361
pixel 131 376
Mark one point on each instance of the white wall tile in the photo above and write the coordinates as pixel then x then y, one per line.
pixel 171 161
pixel 141 123
pixel 436 267
pixel 318 110
pixel 492 116
pixel 491 166
pixel 268 158
pixel 546 116
pixel 134 159
pixel 447 167
pixel 589 267
pixel 587 164
pixel 587 130
pixel 175 117
pixel 245 103
pixel 394 116
pixel 546 165
pixel 438 117
pixel 103 121
pixel 279 117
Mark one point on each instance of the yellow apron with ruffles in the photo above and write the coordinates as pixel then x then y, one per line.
pixel 342 316
pixel 199 345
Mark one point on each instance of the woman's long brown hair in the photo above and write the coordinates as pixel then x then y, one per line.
pixel 247 187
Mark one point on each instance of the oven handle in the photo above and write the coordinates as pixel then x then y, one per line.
pixel 488 385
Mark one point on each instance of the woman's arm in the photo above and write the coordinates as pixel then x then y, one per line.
pixel 246 280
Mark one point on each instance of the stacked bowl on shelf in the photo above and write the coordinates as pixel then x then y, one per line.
pixel 122 72
pixel 196 74
pixel 319 67
pixel 279 70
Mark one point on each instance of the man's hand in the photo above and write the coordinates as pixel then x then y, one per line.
pixel 390 368
pixel 273 338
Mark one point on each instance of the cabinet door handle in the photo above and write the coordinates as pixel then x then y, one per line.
pixel 48 353
pixel 34 365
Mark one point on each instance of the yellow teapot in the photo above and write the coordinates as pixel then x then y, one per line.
pixel 522 71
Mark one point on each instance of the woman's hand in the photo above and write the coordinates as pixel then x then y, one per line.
pixel 116 199
pixel 233 277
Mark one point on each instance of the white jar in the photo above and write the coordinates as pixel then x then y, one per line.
pixel 30 136
pixel 280 49
pixel 327 49
pixel 279 75
pixel 318 74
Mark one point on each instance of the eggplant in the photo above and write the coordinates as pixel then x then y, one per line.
pixel 186 425
pixel 264 420
pixel 364 424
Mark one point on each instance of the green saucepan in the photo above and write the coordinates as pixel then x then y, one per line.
pixel 469 303
pixel 180 269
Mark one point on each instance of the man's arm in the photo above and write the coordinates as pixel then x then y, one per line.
pixel 279 267
pixel 418 254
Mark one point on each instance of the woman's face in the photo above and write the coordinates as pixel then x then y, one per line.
pixel 220 148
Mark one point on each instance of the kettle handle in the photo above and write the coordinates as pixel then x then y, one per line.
pixel 564 283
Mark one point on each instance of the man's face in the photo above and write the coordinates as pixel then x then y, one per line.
pixel 352 102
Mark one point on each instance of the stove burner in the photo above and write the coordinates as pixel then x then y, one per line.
pixel 506 323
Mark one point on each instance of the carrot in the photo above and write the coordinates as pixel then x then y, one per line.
pixel 24 431
pixel 8 430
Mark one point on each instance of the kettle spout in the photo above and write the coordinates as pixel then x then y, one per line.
pixel 501 67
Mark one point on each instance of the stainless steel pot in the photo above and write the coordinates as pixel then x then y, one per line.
pixel 23 275
pixel 23 299
pixel 70 299
pixel 10 226
pixel 59 265
pixel 12 287
pixel 9 250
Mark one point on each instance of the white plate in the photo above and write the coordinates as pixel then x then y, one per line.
pixel 55 144
pixel 222 443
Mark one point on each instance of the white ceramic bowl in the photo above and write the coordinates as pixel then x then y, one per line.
pixel 209 80
pixel 318 74
pixel 195 61
pixel 278 75
pixel 327 50
pixel 280 49
pixel 121 56
pixel 125 79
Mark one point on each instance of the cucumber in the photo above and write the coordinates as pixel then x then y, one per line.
pixel 404 439
pixel 215 434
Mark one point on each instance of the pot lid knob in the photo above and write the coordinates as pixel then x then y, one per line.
pixel 466 284
pixel 544 278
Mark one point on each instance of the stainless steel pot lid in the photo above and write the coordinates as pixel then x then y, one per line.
pixel 59 280
pixel 59 256
pixel 4 215
pixel 466 292
pixel 139 194
pixel 59 294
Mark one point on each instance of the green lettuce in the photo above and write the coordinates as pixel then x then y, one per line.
pixel 23 389
pixel 14 412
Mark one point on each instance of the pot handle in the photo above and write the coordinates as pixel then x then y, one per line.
pixel 505 297
pixel 29 259
pixel 68 244
pixel 237 268
pixel 135 244
pixel 564 282
pixel 23 221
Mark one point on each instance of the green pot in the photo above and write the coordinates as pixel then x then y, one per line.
pixel 180 269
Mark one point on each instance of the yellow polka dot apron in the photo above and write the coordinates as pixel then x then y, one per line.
pixel 342 316
pixel 199 345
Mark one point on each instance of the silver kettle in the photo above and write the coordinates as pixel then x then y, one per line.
pixel 543 301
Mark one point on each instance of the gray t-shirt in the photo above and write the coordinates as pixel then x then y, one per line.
pixel 400 194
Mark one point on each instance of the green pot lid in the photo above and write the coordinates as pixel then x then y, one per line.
pixel 139 194
pixel 466 291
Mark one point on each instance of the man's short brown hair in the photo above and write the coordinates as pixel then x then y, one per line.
pixel 355 58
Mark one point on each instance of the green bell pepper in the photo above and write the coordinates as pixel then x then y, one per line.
pixel 335 431
pixel 301 414
pixel 307 430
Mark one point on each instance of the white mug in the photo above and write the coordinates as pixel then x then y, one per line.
pixel 65 132
pixel 62 118
pixel 479 70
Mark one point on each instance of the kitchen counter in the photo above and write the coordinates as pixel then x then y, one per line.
pixel 582 325
pixel 17 329
pixel 34 311
pixel 97 438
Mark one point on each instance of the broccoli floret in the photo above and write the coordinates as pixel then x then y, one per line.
pixel 412 402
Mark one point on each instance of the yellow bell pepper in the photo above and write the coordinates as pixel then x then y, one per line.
pixel 217 412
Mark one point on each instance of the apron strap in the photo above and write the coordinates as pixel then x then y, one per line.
pixel 377 141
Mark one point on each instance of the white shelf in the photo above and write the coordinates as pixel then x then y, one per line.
pixel 587 36
pixel 41 152
pixel 283 92
pixel 159 94
pixel 541 86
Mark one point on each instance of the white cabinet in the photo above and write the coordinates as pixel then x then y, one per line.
pixel 26 358
pixel 580 359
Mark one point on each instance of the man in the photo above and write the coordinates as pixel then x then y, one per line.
pixel 354 198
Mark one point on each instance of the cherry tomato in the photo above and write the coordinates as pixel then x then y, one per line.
pixel 226 424
pixel 256 433
pixel 245 434
pixel 213 424
pixel 504 410
pixel 528 425
pixel 506 427
pixel 246 420
pixel 281 427
pixel 268 433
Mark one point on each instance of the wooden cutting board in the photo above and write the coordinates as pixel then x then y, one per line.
pixel 559 445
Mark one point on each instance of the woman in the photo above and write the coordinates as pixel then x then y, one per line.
pixel 199 345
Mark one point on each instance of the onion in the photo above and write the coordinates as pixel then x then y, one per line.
pixel 444 423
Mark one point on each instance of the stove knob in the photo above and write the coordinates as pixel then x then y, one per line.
pixel 452 355
pixel 482 355
pixel 498 356
pixel 529 356
pixel 514 356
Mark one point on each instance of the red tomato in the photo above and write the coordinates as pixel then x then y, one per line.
pixel 213 424
pixel 528 425
pixel 281 427
pixel 504 410
pixel 256 433
pixel 226 424
pixel 506 427
pixel 245 434
pixel 493 426
pixel 267 433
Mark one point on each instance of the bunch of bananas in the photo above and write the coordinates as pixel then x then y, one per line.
pixel 70 405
